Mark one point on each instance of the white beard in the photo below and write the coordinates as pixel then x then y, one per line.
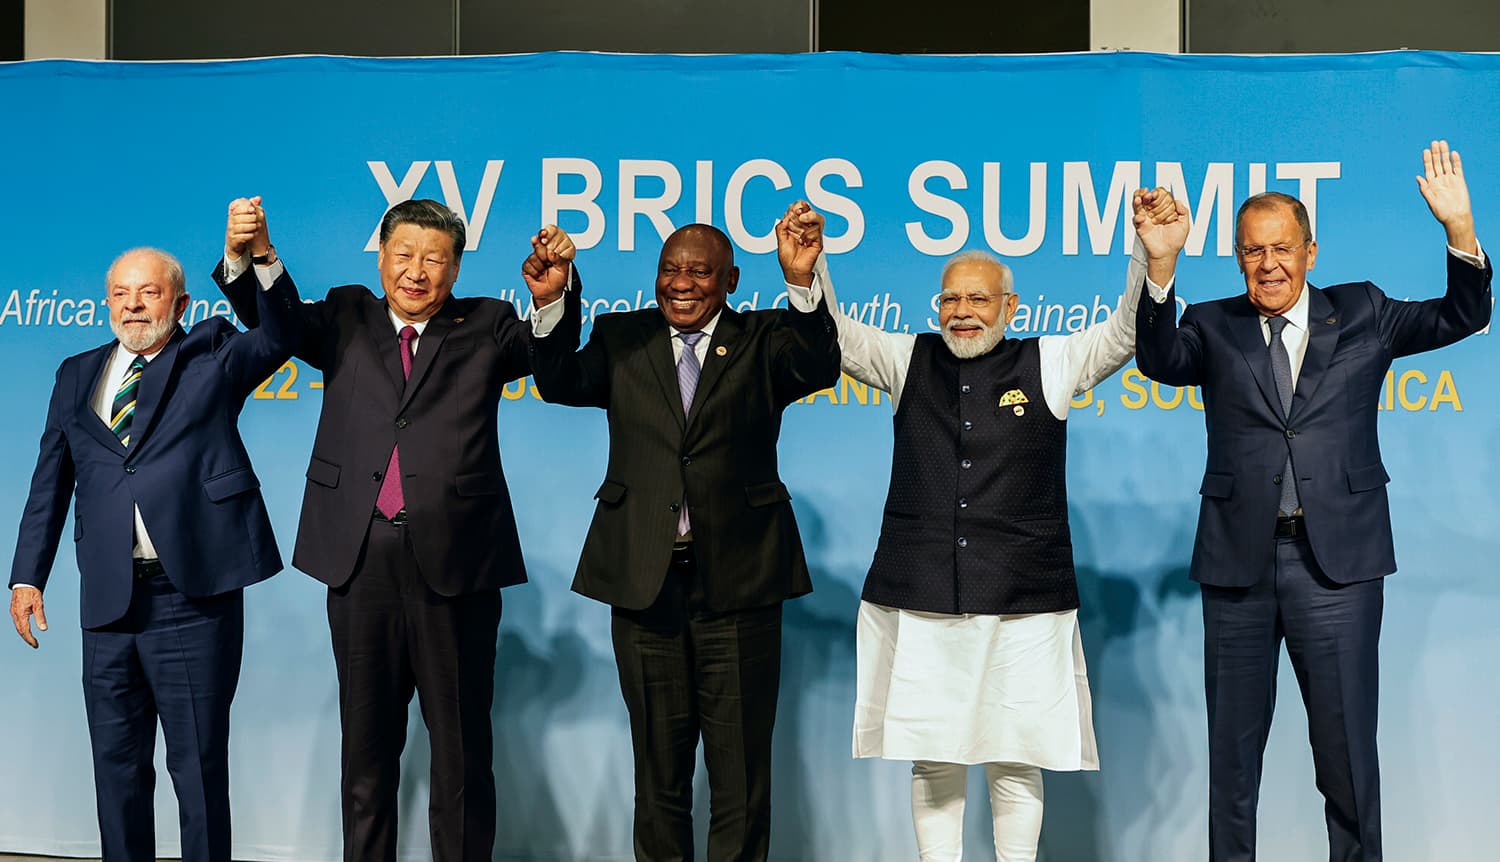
pixel 973 346
pixel 154 332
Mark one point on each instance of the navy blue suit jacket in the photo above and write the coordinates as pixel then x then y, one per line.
pixel 186 467
pixel 1355 331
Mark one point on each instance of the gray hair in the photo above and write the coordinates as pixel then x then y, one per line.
pixel 1270 201
pixel 1007 280
pixel 173 266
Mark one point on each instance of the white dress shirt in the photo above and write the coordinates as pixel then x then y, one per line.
pixel 1070 364
pixel 1294 336
pixel 545 318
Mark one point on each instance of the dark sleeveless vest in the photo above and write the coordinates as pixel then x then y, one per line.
pixel 976 520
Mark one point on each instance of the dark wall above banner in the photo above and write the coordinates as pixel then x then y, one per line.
pixel 12 29
pixel 191 29
pixel 1340 26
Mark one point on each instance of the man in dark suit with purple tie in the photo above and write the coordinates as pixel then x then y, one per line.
pixel 694 543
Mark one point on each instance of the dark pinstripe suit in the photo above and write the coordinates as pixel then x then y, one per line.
pixel 699 628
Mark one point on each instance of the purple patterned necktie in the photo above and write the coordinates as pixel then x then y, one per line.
pixel 390 501
pixel 688 371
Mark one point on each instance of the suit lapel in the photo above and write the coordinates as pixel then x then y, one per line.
pixel 433 335
pixel 153 386
pixel 382 334
pixel 1322 335
pixel 723 349
pixel 90 369
pixel 1246 327
pixel 656 341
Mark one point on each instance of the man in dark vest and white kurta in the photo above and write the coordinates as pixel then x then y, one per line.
pixel 968 644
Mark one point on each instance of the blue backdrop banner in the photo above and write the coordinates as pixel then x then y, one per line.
pixel 913 159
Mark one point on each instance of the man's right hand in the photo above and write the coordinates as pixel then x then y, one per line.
pixel 547 269
pixel 25 601
pixel 246 230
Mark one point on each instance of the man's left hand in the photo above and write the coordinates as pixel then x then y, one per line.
pixel 1447 194
pixel 799 241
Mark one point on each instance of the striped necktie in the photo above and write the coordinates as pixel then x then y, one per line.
pixel 123 408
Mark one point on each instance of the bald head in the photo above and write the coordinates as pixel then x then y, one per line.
pixel 694 276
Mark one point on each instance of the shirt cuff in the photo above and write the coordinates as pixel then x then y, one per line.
pixel 267 275
pixel 546 318
pixel 234 267
pixel 1159 292
pixel 807 298
pixel 1469 257
pixel 32 586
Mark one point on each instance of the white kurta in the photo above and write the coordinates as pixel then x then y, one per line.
pixel 978 688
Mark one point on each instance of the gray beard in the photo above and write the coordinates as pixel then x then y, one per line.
pixel 154 332
pixel 974 346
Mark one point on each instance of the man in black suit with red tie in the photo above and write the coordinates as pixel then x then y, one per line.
pixel 693 543
pixel 407 518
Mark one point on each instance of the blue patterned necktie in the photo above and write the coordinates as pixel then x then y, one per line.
pixel 688 372
pixel 122 409
pixel 1281 369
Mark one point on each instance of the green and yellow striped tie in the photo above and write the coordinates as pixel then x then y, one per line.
pixel 123 409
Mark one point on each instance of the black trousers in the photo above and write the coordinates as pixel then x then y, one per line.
pixel 176 659
pixel 1332 634
pixel 392 636
pixel 686 672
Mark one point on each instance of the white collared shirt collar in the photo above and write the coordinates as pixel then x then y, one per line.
pixel 1297 314
pixel 708 328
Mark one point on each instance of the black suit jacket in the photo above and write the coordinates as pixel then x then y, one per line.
pixel 462 527
pixel 1355 330
pixel 721 456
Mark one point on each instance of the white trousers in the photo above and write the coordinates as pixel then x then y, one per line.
pixel 937 809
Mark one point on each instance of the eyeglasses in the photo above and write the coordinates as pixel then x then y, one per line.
pixel 1257 253
pixel 950 301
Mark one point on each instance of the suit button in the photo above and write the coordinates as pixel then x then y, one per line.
pixel 964 389
pixel 1290 433
pixel 402 423
pixel 676 507
pixel 130 470
pixel 377 476
pixel 968 426
pixel 686 460
pixel 1276 480
pixel 966 463
pixel 962 542
pixel 963 502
